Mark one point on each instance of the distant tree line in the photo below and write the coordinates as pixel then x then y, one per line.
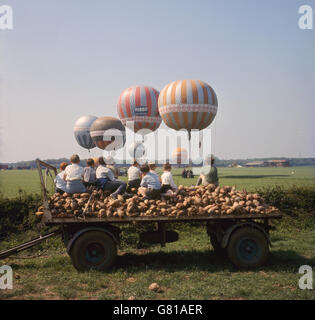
pixel 220 163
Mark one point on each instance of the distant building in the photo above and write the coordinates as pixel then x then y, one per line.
pixel 256 164
pixel 278 163
pixel 4 167
pixel 234 165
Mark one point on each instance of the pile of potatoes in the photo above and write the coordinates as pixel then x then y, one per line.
pixel 191 201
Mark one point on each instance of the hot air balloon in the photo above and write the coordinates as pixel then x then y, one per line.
pixel 137 150
pixel 82 131
pixel 180 155
pixel 108 133
pixel 140 105
pixel 188 104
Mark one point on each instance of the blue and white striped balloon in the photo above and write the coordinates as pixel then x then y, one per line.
pixel 82 131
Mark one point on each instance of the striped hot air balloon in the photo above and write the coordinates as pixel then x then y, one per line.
pixel 140 105
pixel 82 131
pixel 188 104
pixel 180 155
pixel 108 133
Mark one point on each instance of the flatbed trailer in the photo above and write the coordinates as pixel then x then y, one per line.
pixel 92 242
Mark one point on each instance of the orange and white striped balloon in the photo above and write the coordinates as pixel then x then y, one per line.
pixel 180 155
pixel 188 104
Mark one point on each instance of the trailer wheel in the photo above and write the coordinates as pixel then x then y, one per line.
pixel 248 247
pixel 93 250
pixel 216 245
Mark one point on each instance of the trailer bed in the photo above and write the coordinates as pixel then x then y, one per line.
pixel 66 220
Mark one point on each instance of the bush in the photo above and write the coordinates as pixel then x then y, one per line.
pixel 17 214
pixel 289 199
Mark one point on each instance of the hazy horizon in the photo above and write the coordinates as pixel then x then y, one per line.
pixel 67 59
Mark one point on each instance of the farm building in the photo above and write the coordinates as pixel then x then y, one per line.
pixel 278 163
pixel 255 164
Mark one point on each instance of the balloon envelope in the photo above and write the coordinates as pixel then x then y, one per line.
pixel 180 155
pixel 188 104
pixel 108 133
pixel 136 150
pixel 139 104
pixel 82 131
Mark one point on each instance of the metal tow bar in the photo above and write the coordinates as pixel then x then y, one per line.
pixel 28 244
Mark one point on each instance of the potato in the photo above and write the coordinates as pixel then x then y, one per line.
pixel 179 205
pixel 191 201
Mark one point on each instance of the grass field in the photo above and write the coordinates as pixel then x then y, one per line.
pixel 186 269
pixel 243 178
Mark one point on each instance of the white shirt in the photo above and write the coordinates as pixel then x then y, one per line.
pixel 133 173
pixel 74 172
pixel 59 182
pixel 167 178
pixel 104 172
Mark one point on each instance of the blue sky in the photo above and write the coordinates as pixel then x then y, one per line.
pixel 64 59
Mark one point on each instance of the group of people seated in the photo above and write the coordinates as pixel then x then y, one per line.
pixel 187 174
pixel 148 183
pixel 73 178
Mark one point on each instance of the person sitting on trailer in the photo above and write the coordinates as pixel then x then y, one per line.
pixel 134 176
pixel 150 186
pixel 208 175
pixel 74 176
pixel 111 165
pixel 152 167
pixel 60 184
pixel 89 177
pixel 107 181
pixel 168 185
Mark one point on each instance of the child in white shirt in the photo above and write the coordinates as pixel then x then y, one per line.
pixel 60 184
pixel 134 176
pixel 168 185
pixel 150 187
pixel 74 176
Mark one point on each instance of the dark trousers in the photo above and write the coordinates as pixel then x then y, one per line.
pixel 133 184
pixel 89 184
pixel 57 190
pixel 116 187
pixel 165 188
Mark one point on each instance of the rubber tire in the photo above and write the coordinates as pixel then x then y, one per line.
pixel 78 251
pixel 255 235
pixel 216 245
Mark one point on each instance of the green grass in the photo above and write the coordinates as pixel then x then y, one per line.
pixel 14 181
pixel 243 178
pixel 187 269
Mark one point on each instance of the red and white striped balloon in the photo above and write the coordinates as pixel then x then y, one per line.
pixel 140 105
